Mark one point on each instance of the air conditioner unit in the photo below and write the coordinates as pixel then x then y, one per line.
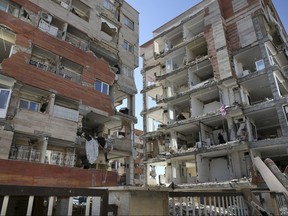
pixel 46 16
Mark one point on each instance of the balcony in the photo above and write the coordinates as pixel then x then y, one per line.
pixel 15 172
pixel 56 127
pixel 122 144
pixel 60 158
pixel 25 153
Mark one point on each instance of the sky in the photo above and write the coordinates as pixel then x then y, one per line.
pixel 155 13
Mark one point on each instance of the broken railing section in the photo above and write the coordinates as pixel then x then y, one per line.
pixel 245 202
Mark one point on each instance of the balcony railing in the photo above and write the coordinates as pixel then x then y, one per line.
pixel 25 153
pixel 77 42
pixel 60 158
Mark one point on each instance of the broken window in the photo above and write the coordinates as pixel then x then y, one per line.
pixel 281 83
pixel 77 38
pixel 102 87
pixel 4 101
pixel 285 107
pixel 80 9
pixel 9 7
pixel 108 27
pixel 7 41
pixel 129 23
pixel 70 70
pixel 127 46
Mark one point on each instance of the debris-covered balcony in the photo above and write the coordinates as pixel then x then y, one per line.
pixel 70 70
pixel 179 109
pixel 205 102
pixel 194 27
pixel 200 74
pixel 175 60
pixel 176 84
pixel 77 38
pixel 196 50
pixel 80 9
pixel 109 30
pixel 259 93
pixel 264 123
pixel 223 165
pixel 168 43
pixel 248 61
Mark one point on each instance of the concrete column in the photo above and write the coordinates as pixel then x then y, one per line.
pixel 43 149
pixel 130 172
pixel 173 140
pixel 96 205
pixel 51 104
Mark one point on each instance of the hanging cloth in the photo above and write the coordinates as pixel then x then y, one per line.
pixel 92 150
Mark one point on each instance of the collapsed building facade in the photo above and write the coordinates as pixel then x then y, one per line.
pixel 66 78
pixel 215 93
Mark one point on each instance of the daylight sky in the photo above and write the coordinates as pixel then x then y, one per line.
pixel 154 13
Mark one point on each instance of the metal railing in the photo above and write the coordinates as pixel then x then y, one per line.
pixel 26 200
pixel 207 203
pixel 25 153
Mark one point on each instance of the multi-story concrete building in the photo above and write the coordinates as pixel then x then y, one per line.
pixel 215 93
pixel 66 66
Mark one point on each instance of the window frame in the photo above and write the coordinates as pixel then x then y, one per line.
pixel 104 87
pixel 107 4
pixel 127 71
pixel 285 109
pixel 29 105
pixel 129 23
pixel 3 110
pixel 128 46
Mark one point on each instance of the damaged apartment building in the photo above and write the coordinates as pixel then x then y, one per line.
pixel 215 93
pixel 67 79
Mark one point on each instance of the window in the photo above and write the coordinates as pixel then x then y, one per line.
pixel 109 5
pixel 4 101
pixel 102 87
pixel 29 105
pixel 129 23
pixel 127 71
pixel 285 107
pixel 129 47
pixel 260 65
pixel 4 5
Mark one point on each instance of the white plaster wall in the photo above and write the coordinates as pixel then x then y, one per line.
pixel 211 107
pixel 203 169
pixel 237 164
pixel 193 79
pixel 196 107
pixel 219 169
pixel 122 200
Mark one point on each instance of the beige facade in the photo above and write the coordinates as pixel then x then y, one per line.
pixel 67 75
